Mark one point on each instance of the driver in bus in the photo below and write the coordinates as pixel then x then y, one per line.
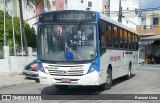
pixel 89 35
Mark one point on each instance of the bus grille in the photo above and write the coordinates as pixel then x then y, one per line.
pixel 66 73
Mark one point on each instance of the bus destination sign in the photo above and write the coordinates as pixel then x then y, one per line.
pixel 78 16
pixel 67 16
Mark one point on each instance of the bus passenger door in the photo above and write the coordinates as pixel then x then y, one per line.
pixel 103 53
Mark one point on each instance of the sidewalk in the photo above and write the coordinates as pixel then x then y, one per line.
pixel 15 80
pixel 149 66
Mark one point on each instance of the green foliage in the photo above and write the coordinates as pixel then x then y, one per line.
pixel 30 35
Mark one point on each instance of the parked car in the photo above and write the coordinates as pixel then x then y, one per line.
pixel 31 71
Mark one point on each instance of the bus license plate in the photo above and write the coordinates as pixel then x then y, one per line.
pixel 66 80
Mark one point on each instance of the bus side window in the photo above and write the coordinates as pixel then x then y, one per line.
pixel 102 36
pixel 129 40
pixel 133 41
pixel 109 36
pixel 136 41
pixel 125 39
pixel 116 37
pixel 121 38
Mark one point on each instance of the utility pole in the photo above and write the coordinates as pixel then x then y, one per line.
pixel 14 43
pixel 4 6
pixel 107 7
pixel 120 12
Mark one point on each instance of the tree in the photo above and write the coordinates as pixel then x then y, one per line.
pixel 28 2
pixel 22 28
pixel 31 37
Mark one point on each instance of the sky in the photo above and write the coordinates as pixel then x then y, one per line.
pixel 1 1
pixel 143 4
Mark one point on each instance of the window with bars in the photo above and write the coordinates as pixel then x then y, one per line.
pixel 53 3
pixel 81 1
pixel 155 21
pixel 89 4
pixel 66 2
pixel 143 21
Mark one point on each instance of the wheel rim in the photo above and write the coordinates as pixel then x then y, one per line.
pixel 129 73
pixel 108 79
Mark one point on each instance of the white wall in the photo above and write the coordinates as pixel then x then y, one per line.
pixel 4 68
pixel 13 65
pixel 18 63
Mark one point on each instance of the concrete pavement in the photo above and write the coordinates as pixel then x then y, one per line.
pixel 20 79
pixel 15 80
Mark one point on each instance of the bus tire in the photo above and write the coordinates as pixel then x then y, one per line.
pixel 62 87
pixel 108 84
pixel 129 75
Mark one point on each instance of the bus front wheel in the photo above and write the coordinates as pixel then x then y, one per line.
pixel 107 85
pixel 62 87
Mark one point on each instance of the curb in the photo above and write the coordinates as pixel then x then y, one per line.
pixel 149 68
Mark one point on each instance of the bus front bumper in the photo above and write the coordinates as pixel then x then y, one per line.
pixel 87 79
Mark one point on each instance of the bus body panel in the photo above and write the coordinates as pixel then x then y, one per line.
pixel 77 75
pixel 119 60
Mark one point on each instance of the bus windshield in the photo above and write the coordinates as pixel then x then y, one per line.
pixel 67 42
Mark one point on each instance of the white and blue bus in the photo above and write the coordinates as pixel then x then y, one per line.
pixel 84 48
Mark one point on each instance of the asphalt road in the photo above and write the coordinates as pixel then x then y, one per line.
pixel 144 81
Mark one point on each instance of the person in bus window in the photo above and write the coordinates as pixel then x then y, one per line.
pixel 57 38
pixel 89 35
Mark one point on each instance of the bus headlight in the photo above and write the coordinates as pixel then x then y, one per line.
pixel 92 67
pixel 91 70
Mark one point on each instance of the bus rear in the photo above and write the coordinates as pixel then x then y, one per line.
pixel 67 48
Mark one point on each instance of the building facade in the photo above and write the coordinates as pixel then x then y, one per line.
pixel 149 23
pixel 93 5
pixel 129 18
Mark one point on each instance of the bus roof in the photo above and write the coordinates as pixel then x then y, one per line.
pixel 68 11
pixel 103 17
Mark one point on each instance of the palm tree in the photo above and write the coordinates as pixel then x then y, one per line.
pixel 29 3
pixel 22 28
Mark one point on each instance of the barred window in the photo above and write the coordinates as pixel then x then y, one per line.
pixel 89 4
pixel 155 21
pixel 53 3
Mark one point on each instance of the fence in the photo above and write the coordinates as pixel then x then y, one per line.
pixel 13 65
pixel 31 51
pixel 1 54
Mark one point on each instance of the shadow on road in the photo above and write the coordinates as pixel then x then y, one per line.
pixel 72 90
pixel 79 90
pixel 120 80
